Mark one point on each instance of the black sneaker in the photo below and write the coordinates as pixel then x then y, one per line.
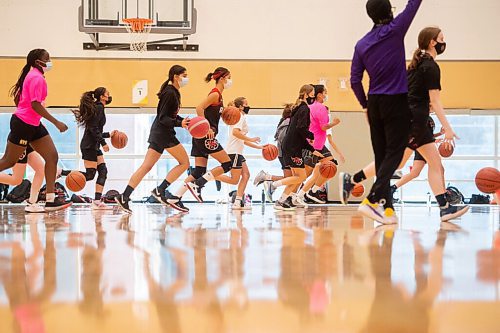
pixel 156 193
pixel 175 203
pixel 58 204
pixel 289 202
pixel 314 198
pixel 345 187
pixel 450 212
pixel 123 204
pixel 279 205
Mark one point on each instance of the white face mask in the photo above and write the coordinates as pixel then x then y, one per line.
pixel 48 66
pixel 228 84
pixel 183 82
pixel 325 98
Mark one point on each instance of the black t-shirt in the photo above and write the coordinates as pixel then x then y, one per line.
pixel 297 135
pixel 93 136
pixel 167 111
pixel 427 76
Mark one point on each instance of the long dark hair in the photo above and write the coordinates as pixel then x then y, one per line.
pixel 88 109
pixel 424 39
pixel 219 73
pixel 174 70
pixel 31 59
pixel 318 89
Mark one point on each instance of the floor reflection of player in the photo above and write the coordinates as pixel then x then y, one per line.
pixel 19 284
pixel 411 313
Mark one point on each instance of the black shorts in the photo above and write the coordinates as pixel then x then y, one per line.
pixel 294 160
pixel 237 160
pixel 91 154
pixel 23 159
pixel 311 160
pixel 160 142
pixel 21 133
pixel 283 163
pixel 205 147
pixel 420 132
pixel 419 157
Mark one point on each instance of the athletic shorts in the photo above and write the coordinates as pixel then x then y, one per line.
pixel 161 142
pixel 24 157
pixel 21 133
pixel 311 160
pixel 283 164
pixel 205 147
pixel 294 160
pixel 420 132
pixel 237 160
pixel 91 154
pixel 419 157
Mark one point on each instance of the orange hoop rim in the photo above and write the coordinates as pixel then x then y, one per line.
pixel 137 24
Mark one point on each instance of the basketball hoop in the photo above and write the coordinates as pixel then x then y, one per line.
pixel 138 29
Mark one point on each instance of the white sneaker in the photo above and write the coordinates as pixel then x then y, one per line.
pixel 374 211
pixel 260 178
pixel 99 205
pixel 298 201
pixel 34 208
pixel 237 205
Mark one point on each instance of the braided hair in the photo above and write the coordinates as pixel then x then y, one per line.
pixel 33 56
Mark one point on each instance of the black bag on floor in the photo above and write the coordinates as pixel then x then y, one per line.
pixel 454 196
pixel 20 193
pixel 479 199
pixel 75 198
pixel 110 196
pixel 60 192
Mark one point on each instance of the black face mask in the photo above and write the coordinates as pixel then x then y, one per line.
pixel 440 47
pixel 246 109
pixel 110 99
pixel 310 100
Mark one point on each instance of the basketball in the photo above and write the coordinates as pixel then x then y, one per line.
pixel 445 152
pixel 231 115
pixel 328 169
pixel 198 127
pixel 358 190
pixel 119 140
pixel 75 181
pixel 488 180
pixel 270 152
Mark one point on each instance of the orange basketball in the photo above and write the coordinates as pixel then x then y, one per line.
pixel 270 152
pixel 444 152
pixel 75 181
pixel 198 127
pixel 119 140
pixel 488 180
pixel 358 190
pixel 231 115
pixel 328 169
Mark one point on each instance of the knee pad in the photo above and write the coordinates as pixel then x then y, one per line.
pixel 89 173
pixel 226 166
pixel 102 174
pixel 199 172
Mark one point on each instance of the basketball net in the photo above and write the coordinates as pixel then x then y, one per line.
pixel 138 29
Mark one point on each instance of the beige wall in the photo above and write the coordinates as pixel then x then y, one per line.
pixel 267 84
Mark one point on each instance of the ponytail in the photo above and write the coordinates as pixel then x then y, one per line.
pixel 87 109
pixel 425 37
pixel 174 70
pixel 16 90
pixel 418 55
pixel 219 73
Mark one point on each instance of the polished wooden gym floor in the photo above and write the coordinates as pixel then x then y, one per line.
pixel 319 270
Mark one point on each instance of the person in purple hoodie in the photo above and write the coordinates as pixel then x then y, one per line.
pixel 381 53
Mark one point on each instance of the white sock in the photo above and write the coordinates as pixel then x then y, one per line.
pixel 208 176
pixel 50 197
pixel 33 198
pixel 180 192
pixel 315 188
pixel 284 197
pixel 278 183
pixel 301 194
pixel 268 177
pixel 238 199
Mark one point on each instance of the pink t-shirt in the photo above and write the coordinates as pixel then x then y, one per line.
pixel 319 117
pixel 34 89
